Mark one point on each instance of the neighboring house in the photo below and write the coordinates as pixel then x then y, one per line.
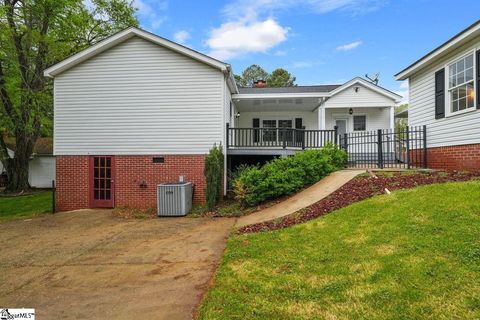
pixel 136 110
pixel 41 171
pixel 445 96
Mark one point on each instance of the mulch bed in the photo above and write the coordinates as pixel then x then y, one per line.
pixel 358 189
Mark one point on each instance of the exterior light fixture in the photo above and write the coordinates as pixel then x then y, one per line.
pixel 237 115
pixel 350 111
pixel 357 89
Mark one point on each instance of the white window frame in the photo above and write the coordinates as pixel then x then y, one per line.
pixel 353 122
pixel 448 95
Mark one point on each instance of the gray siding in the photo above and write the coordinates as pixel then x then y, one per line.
pixel 451 130
pixel 139 98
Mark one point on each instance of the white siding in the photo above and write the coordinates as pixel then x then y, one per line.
pixel 363 98
pixel 139 98
pixel 41 172
pixel 377 118
pixel 309 119
pixel 452 130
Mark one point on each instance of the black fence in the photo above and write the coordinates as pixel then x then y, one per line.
pixel 279 138
pixel 387 148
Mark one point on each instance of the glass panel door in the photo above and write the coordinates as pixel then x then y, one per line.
pixel 101 181
pixel 285 135
pixel 269 135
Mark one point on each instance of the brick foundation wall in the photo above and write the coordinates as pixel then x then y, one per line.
pixel 71 182
pixel 130 171
pixel 463 157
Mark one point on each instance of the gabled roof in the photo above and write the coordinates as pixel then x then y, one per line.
pixel 325 91
pixel 121 37
pixel 43 146
pixel 454 42
pixel 368 84
pixel 297 89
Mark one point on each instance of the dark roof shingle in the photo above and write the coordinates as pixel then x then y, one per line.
pixel 297 89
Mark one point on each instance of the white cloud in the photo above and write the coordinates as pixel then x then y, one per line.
pixel 151 13
pixel 249 25
pixel 232 39
pixel 181 36
pixel 349 46
pixel 252 8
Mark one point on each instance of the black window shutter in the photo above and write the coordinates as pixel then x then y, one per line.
pixel 440 94
pixel 478 78
pixel 256 133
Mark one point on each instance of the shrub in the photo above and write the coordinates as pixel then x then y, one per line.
pixel 213 172
pixel 284 176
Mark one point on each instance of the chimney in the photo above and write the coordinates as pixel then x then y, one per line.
pixel 259 83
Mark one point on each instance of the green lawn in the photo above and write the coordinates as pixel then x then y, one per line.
pixel 22 207
pixel 412 255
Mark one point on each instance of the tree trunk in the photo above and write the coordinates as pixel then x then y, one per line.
pixel 17 168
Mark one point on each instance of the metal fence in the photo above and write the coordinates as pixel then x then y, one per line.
pixel 386 148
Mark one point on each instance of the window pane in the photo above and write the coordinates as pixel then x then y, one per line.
pixel 455 105
pixel 107 194
pixel 102 162
pixel 469 75
pixel 454 94
pixel 359 123
pixel 453 69
pixel 469 61
pixel 453 81
pixel 462 104
pixel 95 183
pixel 470 95
pixel 109 162
pixel 460 65
pixel 96 194
pixel 460 78
pixel 462 92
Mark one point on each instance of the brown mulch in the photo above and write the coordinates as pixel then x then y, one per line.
pixel 358 189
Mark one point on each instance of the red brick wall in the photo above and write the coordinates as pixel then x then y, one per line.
pixel 130 172
pixel 71 182
pixel 463 157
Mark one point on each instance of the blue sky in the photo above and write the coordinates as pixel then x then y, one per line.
pixel 318 41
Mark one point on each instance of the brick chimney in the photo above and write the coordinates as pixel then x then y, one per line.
pixel 259 83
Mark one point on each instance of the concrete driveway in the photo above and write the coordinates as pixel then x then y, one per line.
pixel 89 265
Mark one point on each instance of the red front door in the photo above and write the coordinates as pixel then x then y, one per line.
pixel 102 173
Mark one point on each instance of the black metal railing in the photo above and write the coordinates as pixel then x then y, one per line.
pixel 283 138
pixel 387 148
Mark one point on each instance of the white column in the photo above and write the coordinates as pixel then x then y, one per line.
pixel 392 117
pixel 321 117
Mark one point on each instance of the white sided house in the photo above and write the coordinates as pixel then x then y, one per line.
pixel 444 88
pixel 136 110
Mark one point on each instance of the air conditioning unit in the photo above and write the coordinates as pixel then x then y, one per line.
pixel 174 199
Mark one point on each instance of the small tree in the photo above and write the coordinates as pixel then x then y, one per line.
pixel 214 174
pixel 280 78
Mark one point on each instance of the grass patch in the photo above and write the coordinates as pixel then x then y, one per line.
pixel 412 255
pixel 24 207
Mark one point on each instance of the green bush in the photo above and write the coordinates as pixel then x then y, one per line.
pixel 283 176
pixel 213 172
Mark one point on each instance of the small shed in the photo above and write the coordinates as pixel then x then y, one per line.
pixel 41 165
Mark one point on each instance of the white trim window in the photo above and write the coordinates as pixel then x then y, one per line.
pixel 359 123
pixel 461 85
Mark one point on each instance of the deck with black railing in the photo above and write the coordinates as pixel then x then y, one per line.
pixel 279 138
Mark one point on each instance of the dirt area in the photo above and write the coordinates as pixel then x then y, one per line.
pixel 90 265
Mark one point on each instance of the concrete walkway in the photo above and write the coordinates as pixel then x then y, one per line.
pixel 303 199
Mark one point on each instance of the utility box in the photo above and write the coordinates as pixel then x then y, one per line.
pixel 174 199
